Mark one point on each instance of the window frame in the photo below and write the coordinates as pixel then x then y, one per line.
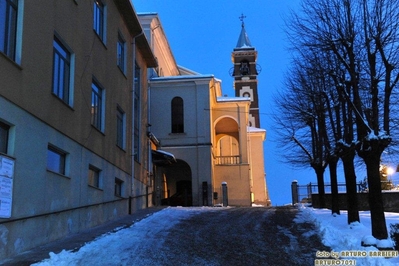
pixel 118 188
pixel 9 38
pixel 62 164
pixel 6 131
pixel 64 67
pixel 121 53
pixel 97 182
pixel 97 115
pixel 177 115
pixel 120 128
pixel 99 19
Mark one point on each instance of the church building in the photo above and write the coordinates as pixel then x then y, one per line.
pixel 204 140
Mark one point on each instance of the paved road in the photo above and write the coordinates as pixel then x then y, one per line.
pixel 243 236
pixel 195 236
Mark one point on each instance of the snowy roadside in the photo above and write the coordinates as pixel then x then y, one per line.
pixel 125 246
pixel 345 240
pixel 202 236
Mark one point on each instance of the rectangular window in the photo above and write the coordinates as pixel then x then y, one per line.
pixel 56 160
pixel 4 131
pixel 118 187
pixel 121 53
pixel 94 176
pixel 8 27
pixel 61 71
pixel 137 115
pixel 120 128
pixel 96 106
pixel 99 18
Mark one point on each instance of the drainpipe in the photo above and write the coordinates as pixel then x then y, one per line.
pixel 251 180
pixel 249 154
pixel 133 115
pixel 149 170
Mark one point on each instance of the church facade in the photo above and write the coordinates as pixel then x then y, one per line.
pixel 216 141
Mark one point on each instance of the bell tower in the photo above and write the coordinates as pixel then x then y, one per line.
pixel 245 72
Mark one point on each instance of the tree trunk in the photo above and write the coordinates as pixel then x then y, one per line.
pixel 332 164
pixel 378 224
pixel 320 185
pixel 351 189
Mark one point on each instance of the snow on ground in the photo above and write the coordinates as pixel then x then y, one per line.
pixel 345 240
pixel 124 244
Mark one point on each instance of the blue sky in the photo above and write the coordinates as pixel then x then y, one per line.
pixel 202 36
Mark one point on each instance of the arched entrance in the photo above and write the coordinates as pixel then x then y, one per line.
pixel 177 185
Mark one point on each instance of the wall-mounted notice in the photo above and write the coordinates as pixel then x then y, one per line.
pixel 6 182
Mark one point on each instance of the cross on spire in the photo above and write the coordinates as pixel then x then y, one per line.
pixel 241 18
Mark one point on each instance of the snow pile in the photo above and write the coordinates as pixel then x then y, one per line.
pixel 345 240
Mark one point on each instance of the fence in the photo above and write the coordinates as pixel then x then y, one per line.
pixel 303 193
pixel 309 194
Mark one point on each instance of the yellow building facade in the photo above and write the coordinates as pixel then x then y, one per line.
pixel 208 134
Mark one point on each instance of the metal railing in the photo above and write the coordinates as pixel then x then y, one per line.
pixel 303 193
pixel 313 188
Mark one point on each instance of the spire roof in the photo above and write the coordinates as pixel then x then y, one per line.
pixel 243 39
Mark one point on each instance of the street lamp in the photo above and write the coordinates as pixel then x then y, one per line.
pixel 390 172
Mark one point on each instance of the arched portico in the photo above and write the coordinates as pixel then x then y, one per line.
pixel 230 160
pixel 177 184
pixel 227 141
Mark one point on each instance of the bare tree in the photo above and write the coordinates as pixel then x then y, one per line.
pixel 363 35
pixel 301 120
pixel 380 77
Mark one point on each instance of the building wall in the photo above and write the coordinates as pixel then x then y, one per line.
pixel 208 119
pixel 230 118
pixel 199 160
pixel 159 44
pixel 232 110
pixel 194 145
pixel 259 187
pixel 238 183
pixel 47 205
pixel 30 84
pixel 195 95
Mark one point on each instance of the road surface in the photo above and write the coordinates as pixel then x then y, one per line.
pixel 241 236
pixel 192 236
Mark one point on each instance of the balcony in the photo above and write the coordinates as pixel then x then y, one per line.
pixel 228 160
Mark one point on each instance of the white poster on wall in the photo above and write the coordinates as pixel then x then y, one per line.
pixel 6 183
